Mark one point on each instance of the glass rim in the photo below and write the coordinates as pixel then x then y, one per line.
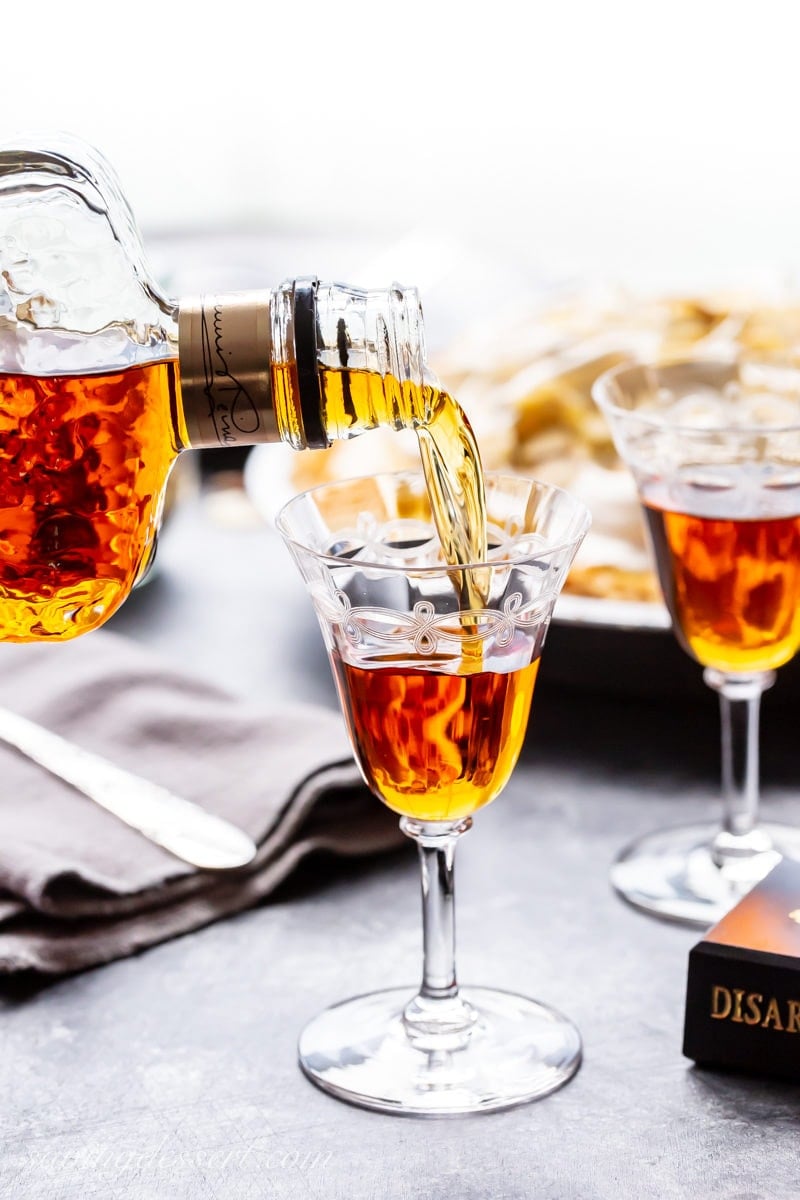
pixel 438 568
pixel 603 400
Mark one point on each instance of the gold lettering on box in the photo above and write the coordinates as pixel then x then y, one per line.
pixel 721 1002
pixel 751 1008
pixel 738 996
pixel 773 1016
pixel 753 1014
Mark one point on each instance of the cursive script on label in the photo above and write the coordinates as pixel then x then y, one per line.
pixel 231 408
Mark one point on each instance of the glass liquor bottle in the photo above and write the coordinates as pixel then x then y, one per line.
pixel 104 381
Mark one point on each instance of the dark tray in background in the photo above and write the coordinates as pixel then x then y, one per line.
pixel 630 651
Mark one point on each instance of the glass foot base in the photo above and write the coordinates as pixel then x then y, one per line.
pixel 517 1050
pixel 672 874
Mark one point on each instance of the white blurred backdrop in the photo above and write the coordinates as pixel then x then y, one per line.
pixel 648 144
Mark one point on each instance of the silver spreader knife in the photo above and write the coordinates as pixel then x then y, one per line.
pixel 183 828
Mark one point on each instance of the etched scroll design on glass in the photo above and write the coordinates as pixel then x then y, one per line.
pixel 425 629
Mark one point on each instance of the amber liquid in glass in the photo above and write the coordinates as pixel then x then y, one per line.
pixel 434 745
pixel 732 586
pixel 83 463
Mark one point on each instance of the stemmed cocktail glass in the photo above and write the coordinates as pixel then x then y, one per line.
pixel 715 450
pixel 436 689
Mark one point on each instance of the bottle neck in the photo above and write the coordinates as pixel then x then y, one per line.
pixel 267 366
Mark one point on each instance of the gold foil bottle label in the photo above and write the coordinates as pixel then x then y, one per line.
pixel 224 349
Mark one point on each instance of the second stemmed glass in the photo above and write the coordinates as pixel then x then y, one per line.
pixel 436 692
pixel 715 451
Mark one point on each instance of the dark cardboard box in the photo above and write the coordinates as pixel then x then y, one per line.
pixel 743 992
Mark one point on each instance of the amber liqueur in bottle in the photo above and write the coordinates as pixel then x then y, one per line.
pixel 85 456
pixel 83 463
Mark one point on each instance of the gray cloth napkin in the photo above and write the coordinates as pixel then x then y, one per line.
pixel 77 886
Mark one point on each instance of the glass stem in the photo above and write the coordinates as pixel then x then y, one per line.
pixel 740 703
pixel 438 1018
